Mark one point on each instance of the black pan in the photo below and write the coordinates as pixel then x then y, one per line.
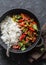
pixel 17 11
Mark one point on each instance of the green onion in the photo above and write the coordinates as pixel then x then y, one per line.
pixel 29 33
pixel 18 17
pixel 23 48
pixel 21 44
pixel 35 27
pixel 25 29
pixel 16 20
pixel 27 44
pixel 27 24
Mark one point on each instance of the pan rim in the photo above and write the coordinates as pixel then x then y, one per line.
pixel 28 49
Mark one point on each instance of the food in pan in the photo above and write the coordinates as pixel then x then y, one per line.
pixel 19 31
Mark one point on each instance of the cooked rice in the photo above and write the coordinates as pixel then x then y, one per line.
pixel 10 32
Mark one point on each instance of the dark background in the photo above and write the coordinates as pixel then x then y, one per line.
pixel 38 7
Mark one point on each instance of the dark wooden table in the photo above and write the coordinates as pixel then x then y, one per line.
pixel 38 7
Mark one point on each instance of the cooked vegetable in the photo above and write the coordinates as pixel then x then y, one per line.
pixel 25 29
pixel 25 17
pixel 15 47
pixel 22 37
pixel 24 42
pixel 21 20
pixel 27 39
pixel 29 30
pixel 33 39
pixel 27 23
pixel 16 20
pixel 20 44
pixel 18 17
pixel 22 24
pixel 29 33
pixel 35 27
pixel 23 48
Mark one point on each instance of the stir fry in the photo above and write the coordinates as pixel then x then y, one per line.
pixel 29 30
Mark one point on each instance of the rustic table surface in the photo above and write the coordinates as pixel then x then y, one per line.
pixel 38 7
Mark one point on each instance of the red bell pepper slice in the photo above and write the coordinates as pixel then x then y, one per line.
pixel 31 29
pixel 25 17
pixel 34 22
pixel 22 24
pixel 22 37
pixel 15 46
pixel 21 20
pixel 27 40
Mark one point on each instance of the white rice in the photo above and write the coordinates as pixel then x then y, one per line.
pixel 10 32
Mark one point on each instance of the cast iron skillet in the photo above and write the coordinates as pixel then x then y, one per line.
pixel 17 11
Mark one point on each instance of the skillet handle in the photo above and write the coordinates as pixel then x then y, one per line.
pixel 40 43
